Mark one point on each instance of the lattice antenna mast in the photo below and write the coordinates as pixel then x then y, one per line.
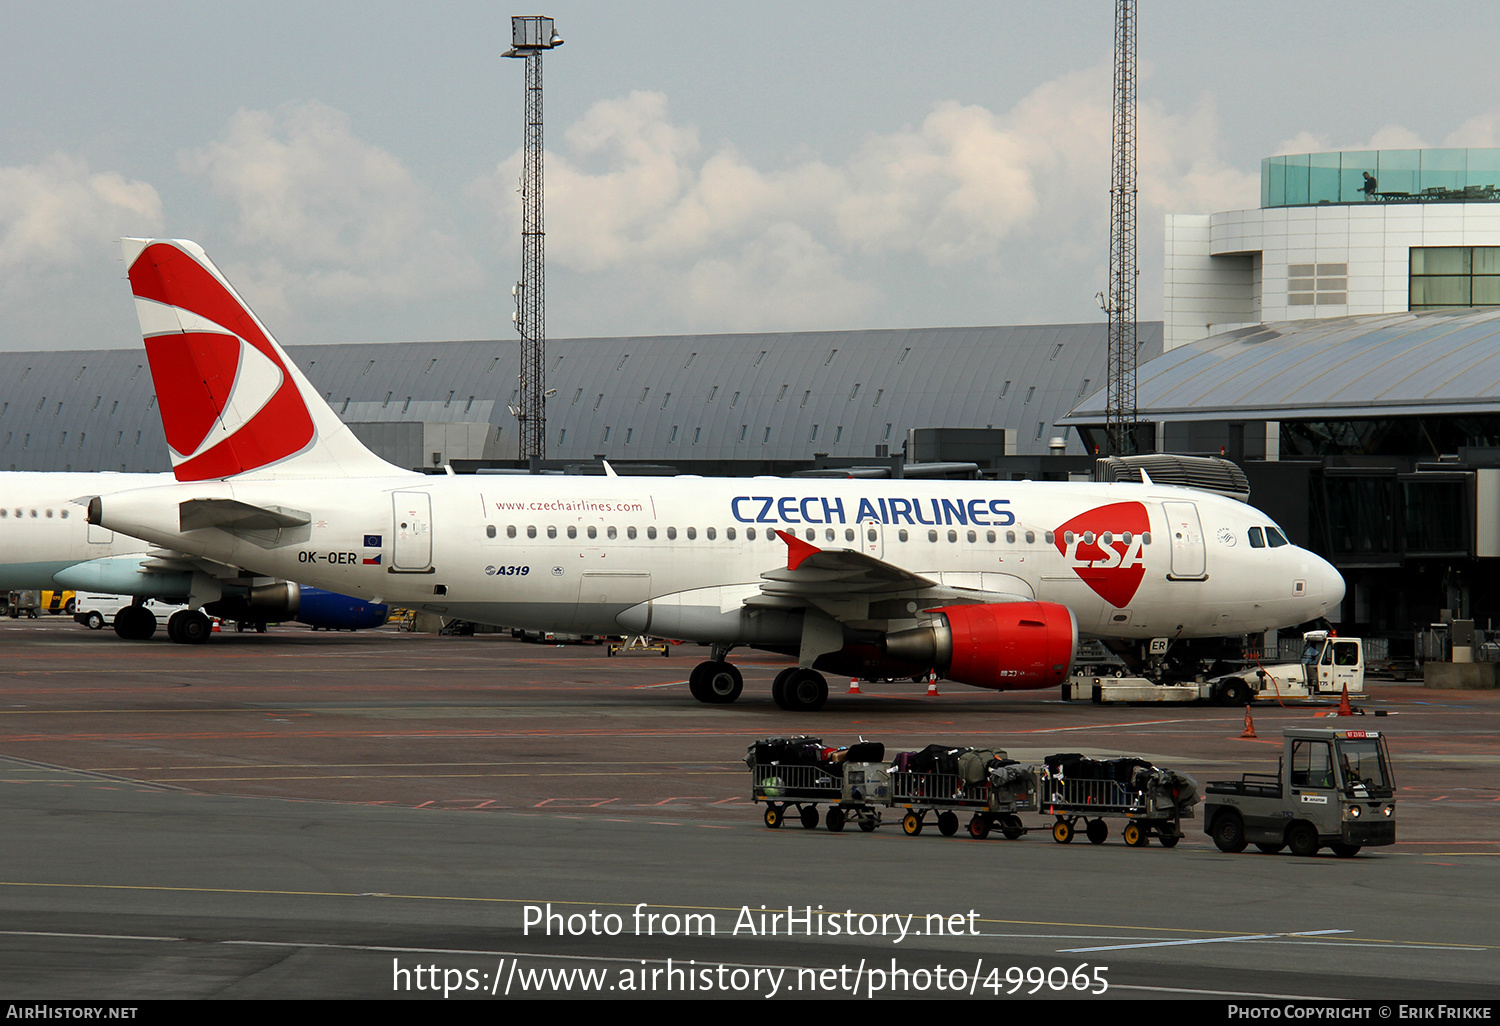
pixel 531 36
pixel 1121 413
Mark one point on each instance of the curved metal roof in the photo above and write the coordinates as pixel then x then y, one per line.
pixel 1337 368
pixel 776 396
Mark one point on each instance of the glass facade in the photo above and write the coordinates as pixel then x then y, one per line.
pixel 1381 176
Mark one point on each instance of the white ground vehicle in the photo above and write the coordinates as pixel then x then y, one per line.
pixel 1329 664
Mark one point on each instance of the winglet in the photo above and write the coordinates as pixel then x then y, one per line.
pixel 797 550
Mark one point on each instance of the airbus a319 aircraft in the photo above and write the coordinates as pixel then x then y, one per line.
pixel 990 584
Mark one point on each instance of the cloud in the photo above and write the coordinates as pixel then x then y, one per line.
pixel 325 217
pixel 968 191
pixel 59 213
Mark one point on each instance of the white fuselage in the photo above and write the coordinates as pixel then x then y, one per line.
pixel 44 532
pixel 679 556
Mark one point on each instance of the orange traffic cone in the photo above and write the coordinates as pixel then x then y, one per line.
pixel 854 687
pixel 932 691
pixel 218 625
pixel 1249 724
pixel 1344 708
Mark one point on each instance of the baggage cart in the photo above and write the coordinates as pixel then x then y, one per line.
pixel 1153 804
pixel 855 794
pixel 991 803
pixel 790 773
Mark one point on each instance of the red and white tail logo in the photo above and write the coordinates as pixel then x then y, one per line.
pixel 231 402
pixel 1106 549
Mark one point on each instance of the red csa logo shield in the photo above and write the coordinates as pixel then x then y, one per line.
pixel 228 404
pixel 1096 547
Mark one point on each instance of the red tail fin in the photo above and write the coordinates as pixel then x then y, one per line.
pixel 231 401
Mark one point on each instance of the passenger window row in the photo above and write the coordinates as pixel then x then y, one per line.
pixel 829 534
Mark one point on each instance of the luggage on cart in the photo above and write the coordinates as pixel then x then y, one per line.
pixel 1152 800
pixel 800 773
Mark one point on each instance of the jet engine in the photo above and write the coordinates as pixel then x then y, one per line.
pixel 1003 646
pixel 284 600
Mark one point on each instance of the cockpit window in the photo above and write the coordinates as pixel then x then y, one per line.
pixel 1257 540
pixel 1276 538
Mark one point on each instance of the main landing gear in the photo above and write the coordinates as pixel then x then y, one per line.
pixel 186 626
pixel 796 689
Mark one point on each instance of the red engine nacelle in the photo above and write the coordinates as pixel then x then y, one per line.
pixel 1004 646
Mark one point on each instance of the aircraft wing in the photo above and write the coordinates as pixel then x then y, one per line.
pixel 813 571
pixel 844 583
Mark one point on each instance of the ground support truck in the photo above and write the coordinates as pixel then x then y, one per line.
pixel 1333 789
pixel 1330 666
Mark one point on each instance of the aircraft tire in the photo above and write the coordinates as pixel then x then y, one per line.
pixel 698 682
pixel 189 627
pixel 778 687
pixel 135 623
pixel 722 683
pixel 805 691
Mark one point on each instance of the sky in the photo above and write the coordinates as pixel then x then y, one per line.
pixel 710 166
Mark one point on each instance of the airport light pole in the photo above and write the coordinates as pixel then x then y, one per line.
pixel 531 36
pixel 1121 412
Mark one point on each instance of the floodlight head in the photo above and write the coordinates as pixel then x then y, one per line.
pixel 529 33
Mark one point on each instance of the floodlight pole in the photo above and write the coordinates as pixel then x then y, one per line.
pixel 531 35
pixel 1121 412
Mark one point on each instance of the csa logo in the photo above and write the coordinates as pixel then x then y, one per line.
pixel 227 402
pixel 1094 545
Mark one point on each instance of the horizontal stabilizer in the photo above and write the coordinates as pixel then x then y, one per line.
pixel 233 516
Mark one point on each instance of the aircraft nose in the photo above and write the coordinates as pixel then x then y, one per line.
pixel 1325 583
